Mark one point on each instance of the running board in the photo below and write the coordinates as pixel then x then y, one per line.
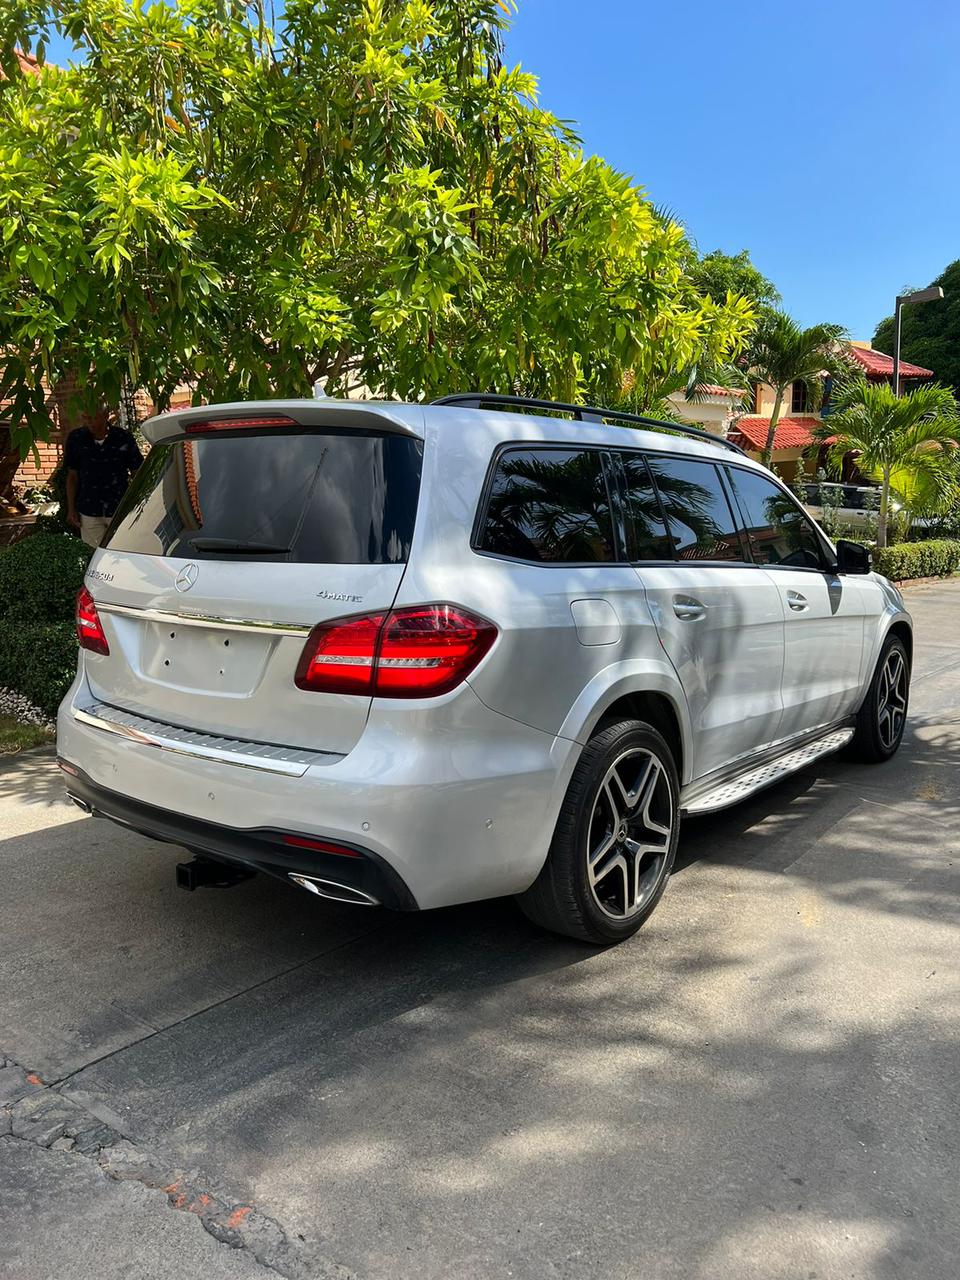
pixel 733 790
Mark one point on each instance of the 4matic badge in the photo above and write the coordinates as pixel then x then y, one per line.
pixel 339 595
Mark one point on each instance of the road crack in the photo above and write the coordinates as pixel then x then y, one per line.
pixel 31 1110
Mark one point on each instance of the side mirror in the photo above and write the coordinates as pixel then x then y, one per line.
pixel 852 557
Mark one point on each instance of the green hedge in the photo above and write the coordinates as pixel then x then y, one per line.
pixel 937 558
pixel 40 576
pixel 39 580
pixel 38 660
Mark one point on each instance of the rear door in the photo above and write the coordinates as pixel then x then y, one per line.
pixel 227 549
pixel 718 617
pixel 823 612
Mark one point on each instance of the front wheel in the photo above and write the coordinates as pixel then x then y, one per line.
pixel 883 716
pixel 615 840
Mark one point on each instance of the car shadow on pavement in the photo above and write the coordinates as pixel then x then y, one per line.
pixel 453 1082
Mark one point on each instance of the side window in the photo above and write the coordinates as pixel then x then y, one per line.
pixel 549 505
pixel 778 530
pixel 699 518
pixel 646 535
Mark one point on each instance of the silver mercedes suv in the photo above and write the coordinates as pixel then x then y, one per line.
pixel 416 655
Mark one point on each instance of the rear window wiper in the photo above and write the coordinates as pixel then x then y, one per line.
pixel 230 547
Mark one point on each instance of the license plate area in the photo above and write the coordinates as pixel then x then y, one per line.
pixel 208 660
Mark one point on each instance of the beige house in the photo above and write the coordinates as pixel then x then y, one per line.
pixel 716 410
pixel 793 436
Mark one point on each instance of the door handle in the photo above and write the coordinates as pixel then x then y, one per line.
pixel 687 609
pixel 797 602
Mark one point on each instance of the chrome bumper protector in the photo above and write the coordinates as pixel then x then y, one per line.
pixel 268 758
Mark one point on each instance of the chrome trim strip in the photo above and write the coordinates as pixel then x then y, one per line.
pixel 266 757
pixel 203 620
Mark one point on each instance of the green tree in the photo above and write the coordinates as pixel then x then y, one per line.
pixel 930 335
pixel 782 353
pixel 362 194
pixel 905 444
pixel 720 274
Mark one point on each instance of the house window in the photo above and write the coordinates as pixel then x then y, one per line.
pixel 800 399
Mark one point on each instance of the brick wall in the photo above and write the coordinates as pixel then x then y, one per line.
pixel 33 471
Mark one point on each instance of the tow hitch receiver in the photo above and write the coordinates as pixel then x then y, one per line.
pixel 207 873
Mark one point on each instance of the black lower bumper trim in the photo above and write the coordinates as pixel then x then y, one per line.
pixel 259 848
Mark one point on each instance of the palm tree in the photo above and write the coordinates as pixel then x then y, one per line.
pixel 782 353
pixel 905 443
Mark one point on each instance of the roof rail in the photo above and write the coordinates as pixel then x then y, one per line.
pixel 583 413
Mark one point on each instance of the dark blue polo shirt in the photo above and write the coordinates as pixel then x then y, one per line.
pixel 104 467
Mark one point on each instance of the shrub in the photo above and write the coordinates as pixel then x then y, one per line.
pixel 932 559
pixel 40 577
pixel 39 580
pixel 38 660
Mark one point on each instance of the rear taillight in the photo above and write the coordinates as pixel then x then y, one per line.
pixel 89 628
pixel 428 650
pixel 237 423
pixel 407 653
pixel 338 656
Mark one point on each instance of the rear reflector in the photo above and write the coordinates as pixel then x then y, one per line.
pixel 408 653
pixel 89 628
pixel 237 424
pixel 321 846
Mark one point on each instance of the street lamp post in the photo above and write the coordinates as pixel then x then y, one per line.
pixel 921 295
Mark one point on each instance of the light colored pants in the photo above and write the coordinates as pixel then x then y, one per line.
pixel 92 529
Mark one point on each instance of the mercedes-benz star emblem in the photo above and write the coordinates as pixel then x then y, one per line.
pixel 187 577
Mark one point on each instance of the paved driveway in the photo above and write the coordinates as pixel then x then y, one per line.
pixel 761 1086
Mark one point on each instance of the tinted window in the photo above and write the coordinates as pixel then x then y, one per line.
pixel 778 531
pixel 646 536
pixel 549 505
pixel 318 498
pixel 698 514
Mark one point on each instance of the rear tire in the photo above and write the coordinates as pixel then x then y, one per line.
pixel 881 719
pixel 615 839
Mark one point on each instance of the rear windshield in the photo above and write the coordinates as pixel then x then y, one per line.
pixel 306 497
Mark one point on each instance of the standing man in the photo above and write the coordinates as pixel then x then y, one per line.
pixel 99 458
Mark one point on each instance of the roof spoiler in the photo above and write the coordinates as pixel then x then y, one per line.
pixel 360 415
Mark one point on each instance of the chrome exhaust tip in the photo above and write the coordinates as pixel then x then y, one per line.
pixel 333 891
pixel 81 804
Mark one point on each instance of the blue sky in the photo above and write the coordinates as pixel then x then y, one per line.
pixel 822 137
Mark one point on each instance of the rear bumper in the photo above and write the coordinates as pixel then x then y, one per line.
pixel 455 801
pixel 261 849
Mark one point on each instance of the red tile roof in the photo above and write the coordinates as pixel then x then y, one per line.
pixel 878 365
pixel 711 389
pixel 791 433
pixel 28 64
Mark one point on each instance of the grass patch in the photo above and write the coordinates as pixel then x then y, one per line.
pixel 17 736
